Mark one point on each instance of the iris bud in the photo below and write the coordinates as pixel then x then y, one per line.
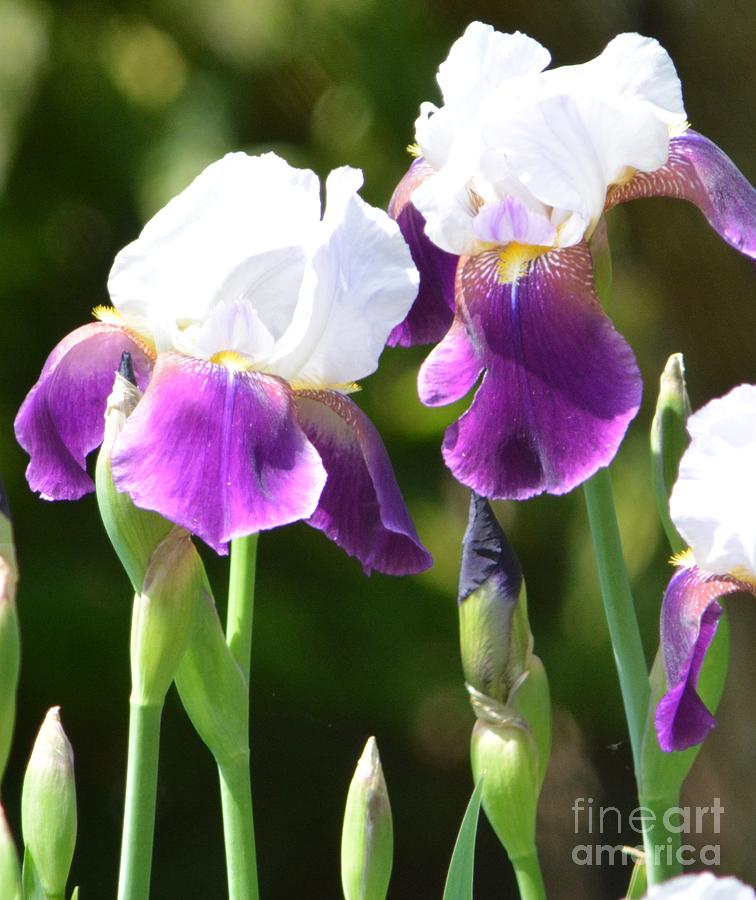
pixel 133 532
pixel 48 806
pixel 10 871
pixel 367 840
pixel 163 617
pixel 507 683
pixel 10 642
pixel 669 438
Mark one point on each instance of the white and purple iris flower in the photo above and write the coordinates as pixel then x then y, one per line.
pixel 712 505
pixel 249 316
pixel 515 171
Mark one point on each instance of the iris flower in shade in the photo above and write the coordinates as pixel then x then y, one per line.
pixel 515 172
pixel 712 505
pixel 249 317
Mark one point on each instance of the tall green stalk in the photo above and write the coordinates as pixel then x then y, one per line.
pixel 141 790
pixel 626 643
pixel 235 779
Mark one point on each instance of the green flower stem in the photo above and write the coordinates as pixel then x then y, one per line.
pixel 141 789
pixel 235 780
pixel 619 607
pixel 626 640
pixel 656 835
pixel 529 878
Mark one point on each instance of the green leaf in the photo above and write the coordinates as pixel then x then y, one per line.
pixel 32 889
pixel 459 881
pixel 75 895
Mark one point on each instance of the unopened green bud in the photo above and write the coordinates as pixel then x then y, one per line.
pixel 495 638
pixel 212 686
pixel 367 839
pixel 48 806
pixel 163 617
pixel 505 755
pixel 133 532
pixel 10 870
pixel 10 641
pixel 669 438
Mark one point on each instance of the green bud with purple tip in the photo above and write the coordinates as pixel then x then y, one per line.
pixel 133 532
pixel 10 641
pixel 48 807
pixel 669 438
pixel 507 683
pixel 367 839
pixel 10 870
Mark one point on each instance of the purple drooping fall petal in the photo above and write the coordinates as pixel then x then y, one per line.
pixel 698 171
pixel 361 508
pixel 561 385
pixel 220 452
pixel 451 369
pixel 689 619
pixel 432 311
pixel 62 418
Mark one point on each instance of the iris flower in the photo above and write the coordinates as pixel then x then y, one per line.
pixel 515 171
pixel 712 505
pixel 249 318
pixel 701 886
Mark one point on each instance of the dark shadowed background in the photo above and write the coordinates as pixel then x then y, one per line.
pixel 109 108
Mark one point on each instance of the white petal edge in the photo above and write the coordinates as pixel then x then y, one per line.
pixel 702 886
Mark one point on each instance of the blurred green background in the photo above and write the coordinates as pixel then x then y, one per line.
pixel 109 108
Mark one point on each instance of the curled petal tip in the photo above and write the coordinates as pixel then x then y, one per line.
pixel 126 368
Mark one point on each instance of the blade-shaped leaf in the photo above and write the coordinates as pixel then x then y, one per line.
pixel 459 881
pixel 30 880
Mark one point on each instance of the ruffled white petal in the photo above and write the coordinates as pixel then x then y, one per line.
pixel 238 207
pixel 701 886
pixel 359 283
pixel 713 500
pixel 558 139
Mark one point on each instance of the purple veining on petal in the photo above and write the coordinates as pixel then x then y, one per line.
pixel 431 313
pixel 561 385
pixel 62 418
pixel 451 369
pixel 698 171
pixel 217 451
pixel 510 220
pixel 689 618
pixel 361 507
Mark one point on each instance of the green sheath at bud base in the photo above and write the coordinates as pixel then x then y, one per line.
pixel 10 870
pixel 212 686
pixel 133 532
pixel 669 438
pixel 48 806
pixel 506 755
pixel 163 617
pixel 367 840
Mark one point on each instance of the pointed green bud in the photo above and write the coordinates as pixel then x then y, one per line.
pixel 367 839
pixel 212 686
pixel 504 754
pixel 10 640
pixel 133 532
pixel 10 870
pixel 495 638
pixel 669 438
pixel 163 617
pixel 48 806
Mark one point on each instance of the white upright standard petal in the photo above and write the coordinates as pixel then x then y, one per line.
pixel 554 140
pixel 702 886
pixel 185 259
pixel 713 500
pixel 359 283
